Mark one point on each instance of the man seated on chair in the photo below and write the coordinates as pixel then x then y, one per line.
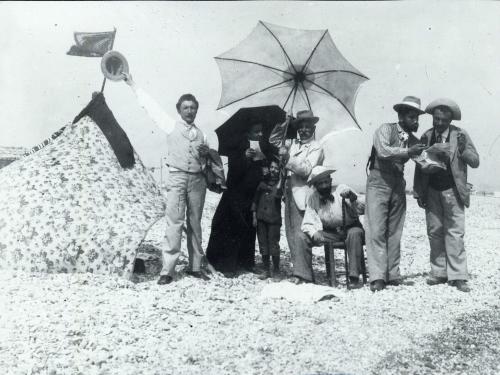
pixel 324 222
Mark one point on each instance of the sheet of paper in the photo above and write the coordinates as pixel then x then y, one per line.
pixel 259 155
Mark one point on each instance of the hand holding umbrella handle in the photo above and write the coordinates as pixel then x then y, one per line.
pixel 283 153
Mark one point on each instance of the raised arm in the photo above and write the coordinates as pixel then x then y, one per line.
pixel 153 109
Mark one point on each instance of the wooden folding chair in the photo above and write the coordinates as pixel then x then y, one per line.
pixel 330 247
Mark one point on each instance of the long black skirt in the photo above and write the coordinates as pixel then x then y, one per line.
pixel 231 246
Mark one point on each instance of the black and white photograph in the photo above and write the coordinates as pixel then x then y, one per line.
pixel 250 187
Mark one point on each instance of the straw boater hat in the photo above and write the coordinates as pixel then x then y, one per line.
pixel 113 65
pixel 411 102
pixel 305 115
pixel 443 102
pixel 318 172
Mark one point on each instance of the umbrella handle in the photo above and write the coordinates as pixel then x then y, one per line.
pixel 282 179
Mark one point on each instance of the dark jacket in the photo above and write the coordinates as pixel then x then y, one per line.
pixel 214 172
pixel 267 203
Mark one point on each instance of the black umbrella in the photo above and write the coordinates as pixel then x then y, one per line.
pixel 233 131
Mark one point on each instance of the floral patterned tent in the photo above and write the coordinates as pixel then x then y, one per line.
pixel 82 203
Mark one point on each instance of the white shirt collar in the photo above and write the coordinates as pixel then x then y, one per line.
pixel 189 126
pixel 444 135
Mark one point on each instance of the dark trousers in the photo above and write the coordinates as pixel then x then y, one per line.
pixel 268 236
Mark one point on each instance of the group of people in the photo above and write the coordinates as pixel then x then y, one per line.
pixel 316 210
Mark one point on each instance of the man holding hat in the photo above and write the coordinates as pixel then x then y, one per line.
pixel 393 145
pixel 324 218
pixel 445 193
pixel 187 150
pixel 299 157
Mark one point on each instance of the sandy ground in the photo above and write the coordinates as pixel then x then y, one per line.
pixel 87 324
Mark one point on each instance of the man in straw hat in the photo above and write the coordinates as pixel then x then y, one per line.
pixel 393 145
pixel 324 218
pixel 445 193
pixel 300 156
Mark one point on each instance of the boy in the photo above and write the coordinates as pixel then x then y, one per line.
pixel 266 209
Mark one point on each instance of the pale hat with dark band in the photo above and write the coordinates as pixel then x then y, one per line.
pixel 448 103
pixel 306 115
pixel 410 102
pixel 318 172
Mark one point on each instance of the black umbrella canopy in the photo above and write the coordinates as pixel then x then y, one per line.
pixel 233 131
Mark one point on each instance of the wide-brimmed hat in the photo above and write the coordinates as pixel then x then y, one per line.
pixel 305 115
pixel 318 172
pixel 113 65
pixel 448 103
pixel 411 102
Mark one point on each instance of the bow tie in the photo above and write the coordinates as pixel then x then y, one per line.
pixel 329 198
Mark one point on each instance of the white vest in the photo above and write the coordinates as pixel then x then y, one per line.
pixel 181 151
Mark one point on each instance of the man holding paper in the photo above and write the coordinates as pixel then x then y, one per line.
pixel 444 193
pixel 393 145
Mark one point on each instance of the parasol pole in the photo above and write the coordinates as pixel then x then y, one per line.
pixel 282 180
pixel 112 42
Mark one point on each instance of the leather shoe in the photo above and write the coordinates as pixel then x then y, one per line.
pixel 165 279
pixel 434 280
pixel 461 285
pixel 354 283
pixel 198 275
pixel 377 285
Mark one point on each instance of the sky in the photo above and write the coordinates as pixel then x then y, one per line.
pixel 428 49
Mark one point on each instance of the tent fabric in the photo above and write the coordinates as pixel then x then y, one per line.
pixel 98 111
pixel 71 206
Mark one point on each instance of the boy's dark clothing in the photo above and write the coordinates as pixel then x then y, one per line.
pixel 268 236
pixel 267 203
pixel 267 207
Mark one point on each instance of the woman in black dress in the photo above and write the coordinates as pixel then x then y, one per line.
pixel 231 246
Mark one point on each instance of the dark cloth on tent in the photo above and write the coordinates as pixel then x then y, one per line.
pixel 232 240
pixel 100 113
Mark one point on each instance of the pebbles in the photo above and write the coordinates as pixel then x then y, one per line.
pixel 94 324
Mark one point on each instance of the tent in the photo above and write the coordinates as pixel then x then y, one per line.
pixel 82 203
